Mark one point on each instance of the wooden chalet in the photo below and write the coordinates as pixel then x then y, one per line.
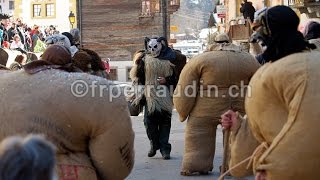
pixel 116 28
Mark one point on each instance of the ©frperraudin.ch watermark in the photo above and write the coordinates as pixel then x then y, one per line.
pixel 81 88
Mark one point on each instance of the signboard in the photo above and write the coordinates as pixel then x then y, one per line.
pixel 174 28
pixel 221 11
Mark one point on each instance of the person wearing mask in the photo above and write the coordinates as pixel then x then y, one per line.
pixel 277 134
pixel 157 68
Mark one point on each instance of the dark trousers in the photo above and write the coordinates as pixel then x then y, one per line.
pixel 158 125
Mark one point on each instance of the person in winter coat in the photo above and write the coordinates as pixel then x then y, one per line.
pixel 247 10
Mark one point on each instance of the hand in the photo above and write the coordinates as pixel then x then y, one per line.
pixel 261 175
pixel 229 119
pixel 162 80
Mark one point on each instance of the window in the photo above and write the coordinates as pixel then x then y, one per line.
pixel 146 8
pixel 49 9
pixel 41 9
pixel 128 73
pixel 11 5
pixel 149 7
pixel 36 10
pixel 113 73
pixel 174 2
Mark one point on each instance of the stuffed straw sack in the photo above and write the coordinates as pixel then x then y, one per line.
pixel 211 74
pixel 92 131
pixel 283 112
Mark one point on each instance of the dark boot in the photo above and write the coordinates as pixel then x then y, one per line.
pixel 152 152
pixel 166 156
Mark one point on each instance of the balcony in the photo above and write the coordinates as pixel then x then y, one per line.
pixel 173 6
pixel 302 3
pixel 310 7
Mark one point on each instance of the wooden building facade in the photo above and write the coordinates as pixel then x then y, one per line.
pixel 115 29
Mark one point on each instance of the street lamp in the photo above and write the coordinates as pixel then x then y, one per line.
pixel 72 18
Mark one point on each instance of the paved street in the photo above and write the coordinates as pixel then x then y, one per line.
pixel 158 169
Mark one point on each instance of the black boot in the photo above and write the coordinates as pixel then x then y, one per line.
pixel 166 156
pixel 152 152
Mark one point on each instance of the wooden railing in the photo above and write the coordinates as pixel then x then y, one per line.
pixel 173 5
pixel 301 2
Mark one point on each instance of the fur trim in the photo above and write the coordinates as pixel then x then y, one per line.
pixel 157 97
pixel 137 58
pixel 133 73
pixel 138 55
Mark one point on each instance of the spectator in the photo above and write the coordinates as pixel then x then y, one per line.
pixel 21 31
pixel 16 43
pixel 12 31
pixel 247 10
pixel 30 158
pixel 17 64
pixel 4 37
pixel 73 47
pixel 28 39
pixel 38 45
pixel 75 32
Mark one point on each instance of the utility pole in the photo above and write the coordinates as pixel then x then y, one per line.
pixel 164 10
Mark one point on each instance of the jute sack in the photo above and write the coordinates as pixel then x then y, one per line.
pixel 242 145
pixel 202 95
pixel 199 133
pixel 90 128
pixel 283 112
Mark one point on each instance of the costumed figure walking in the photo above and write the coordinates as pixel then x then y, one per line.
pixel 157 68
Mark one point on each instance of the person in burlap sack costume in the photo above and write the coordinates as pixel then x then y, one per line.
pixel 202 94
pixel 92 131
pixel 277 134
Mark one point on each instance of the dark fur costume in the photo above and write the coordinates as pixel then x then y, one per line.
pixel 179 62
pixel 158 111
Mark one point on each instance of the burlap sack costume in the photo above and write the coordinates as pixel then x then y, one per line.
pixel 93 133
pixel 282 114
pixel 210 74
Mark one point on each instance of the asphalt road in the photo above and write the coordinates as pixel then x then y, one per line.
pixel 156 168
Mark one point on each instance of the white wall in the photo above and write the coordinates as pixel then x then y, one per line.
pixel 61 21
pixel 5 7
pixel 122 67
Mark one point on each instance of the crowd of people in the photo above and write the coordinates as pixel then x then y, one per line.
pixel 90 137
pixel 18 35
